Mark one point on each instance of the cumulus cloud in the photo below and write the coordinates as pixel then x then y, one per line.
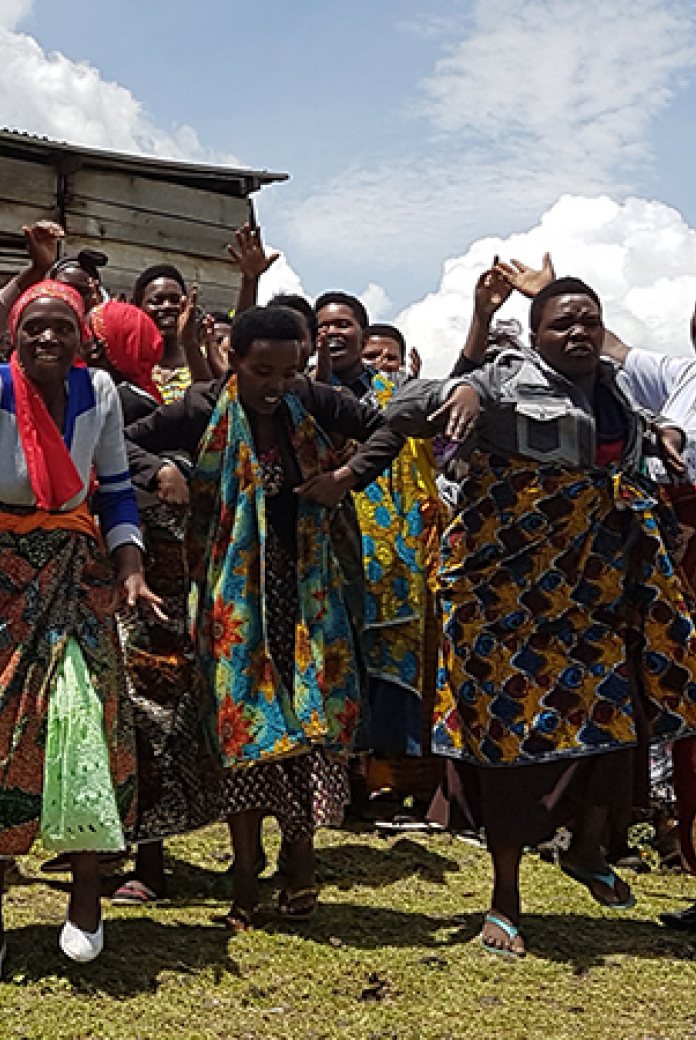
pixel 51 95
pixel 535 99
pixel 279 278
pixel 639 255
pixel 376 301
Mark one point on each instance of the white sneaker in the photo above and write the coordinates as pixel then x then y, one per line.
pixel 81 946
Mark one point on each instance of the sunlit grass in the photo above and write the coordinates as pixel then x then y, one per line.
pixel 392 952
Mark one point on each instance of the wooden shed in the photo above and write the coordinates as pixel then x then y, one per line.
pixel 136 209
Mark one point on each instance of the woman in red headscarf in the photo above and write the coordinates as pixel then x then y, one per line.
pixel 66 750
pixel 177 790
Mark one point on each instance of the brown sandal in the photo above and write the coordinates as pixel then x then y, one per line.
pixel 239 920
pixel 300 905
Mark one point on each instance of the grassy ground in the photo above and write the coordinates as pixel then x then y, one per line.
pixel 392 953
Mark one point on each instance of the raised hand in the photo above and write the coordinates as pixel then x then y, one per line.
pixel 527 280
pixel 491 292
pixel 249 253
pixel 186 326
pixel 42 240
pixel 216 352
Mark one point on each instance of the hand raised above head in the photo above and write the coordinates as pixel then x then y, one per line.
pixel 249 252
pixel 491 292
pixel 527 280
pixel 42 243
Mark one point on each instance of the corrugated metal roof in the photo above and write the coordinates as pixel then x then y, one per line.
pixel 223 179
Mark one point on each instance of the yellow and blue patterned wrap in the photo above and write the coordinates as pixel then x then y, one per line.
pixel 399 516
pixel 256 718
pixel 560 606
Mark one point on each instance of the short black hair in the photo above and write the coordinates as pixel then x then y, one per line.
pixel 274 323
pixel 295 302
pixel 344 300
pixel 559 287
pixel 151 274
pixel 389 332
pixel 89 260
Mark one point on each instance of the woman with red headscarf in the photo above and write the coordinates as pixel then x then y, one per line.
pixel 67 766
pixel 174 791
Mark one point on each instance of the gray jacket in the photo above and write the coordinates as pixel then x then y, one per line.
pixel 528 409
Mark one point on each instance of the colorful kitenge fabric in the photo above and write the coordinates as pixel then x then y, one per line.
pixel 178 783
pixel 559 600
pixel 398 514
pixel 258 718
pixel 55 586
pixel 171 383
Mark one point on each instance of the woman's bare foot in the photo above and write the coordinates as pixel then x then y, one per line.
pixel 501 935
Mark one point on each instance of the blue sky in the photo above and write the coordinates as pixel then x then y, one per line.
pixel 411 130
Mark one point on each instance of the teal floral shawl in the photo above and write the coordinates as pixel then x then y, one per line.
pixel 256 718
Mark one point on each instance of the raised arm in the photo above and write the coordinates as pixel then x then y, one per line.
pixel 188 337
pixel 42 241
pixel 249 254
pixel 491 292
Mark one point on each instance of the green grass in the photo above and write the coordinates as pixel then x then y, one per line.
pixel 393 952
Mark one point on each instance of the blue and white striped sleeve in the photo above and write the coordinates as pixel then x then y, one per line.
pixel 114 500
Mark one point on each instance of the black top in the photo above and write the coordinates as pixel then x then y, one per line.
pixel 174 431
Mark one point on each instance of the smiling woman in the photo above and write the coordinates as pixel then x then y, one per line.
pixel 66 749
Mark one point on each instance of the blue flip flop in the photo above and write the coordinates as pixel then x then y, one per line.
pixel 511 930
pixel 608 878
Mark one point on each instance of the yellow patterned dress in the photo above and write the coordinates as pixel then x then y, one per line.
pixel 399 515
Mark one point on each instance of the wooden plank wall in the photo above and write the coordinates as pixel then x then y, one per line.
pixel 136 221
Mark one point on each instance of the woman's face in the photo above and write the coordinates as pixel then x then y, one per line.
pixel 570 335
pixel 340 328
pixel 265 373
pixel 47 340
pixel 162 302
pixel 382 353
pixel 81 282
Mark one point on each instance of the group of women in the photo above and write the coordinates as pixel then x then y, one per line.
pixel 217 666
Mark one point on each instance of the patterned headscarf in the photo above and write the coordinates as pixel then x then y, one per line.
pixel 55 291
pixel 132 342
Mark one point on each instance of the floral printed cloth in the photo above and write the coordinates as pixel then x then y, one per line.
pixel 257 718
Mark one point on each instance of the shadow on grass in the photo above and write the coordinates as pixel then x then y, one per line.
pixel 585 942
pixel 137 952
pixel 352 864
pixel 372 927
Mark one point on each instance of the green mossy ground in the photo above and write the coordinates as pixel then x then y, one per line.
pixel 392 953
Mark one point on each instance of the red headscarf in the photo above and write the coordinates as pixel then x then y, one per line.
pixel 52 473
pixel 132 342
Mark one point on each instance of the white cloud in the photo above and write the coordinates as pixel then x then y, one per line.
pixel 279 278
pixel 51 95
pixel 12 12
pixel 376 301
pixel 640 256
pixel 539 98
